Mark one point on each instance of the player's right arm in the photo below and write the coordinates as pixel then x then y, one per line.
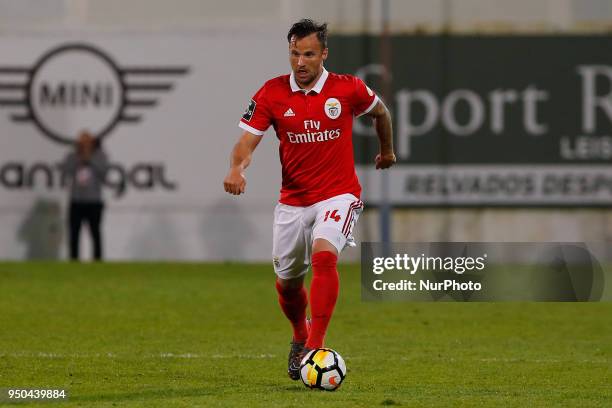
pixel 235 182
pixel 254 122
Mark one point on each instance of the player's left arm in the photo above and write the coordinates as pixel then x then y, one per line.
pixel 384 130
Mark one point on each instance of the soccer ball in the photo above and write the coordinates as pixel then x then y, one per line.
pixel 323 369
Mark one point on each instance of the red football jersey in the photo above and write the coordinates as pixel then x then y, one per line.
pixel 315 130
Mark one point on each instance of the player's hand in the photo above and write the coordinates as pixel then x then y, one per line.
pixel 384 161
pixel 235 182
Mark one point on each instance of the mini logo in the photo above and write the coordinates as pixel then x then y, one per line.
pixel 333 108
pixel 276 261
pixel 288 113
pixel 76 87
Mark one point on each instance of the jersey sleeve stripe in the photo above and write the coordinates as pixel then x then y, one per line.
pixel 372 105
pixel 250 129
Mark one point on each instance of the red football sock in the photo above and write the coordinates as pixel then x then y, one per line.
pixel 293 301
pixel 323 295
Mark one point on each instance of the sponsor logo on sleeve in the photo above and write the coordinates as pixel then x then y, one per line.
pixel 250 110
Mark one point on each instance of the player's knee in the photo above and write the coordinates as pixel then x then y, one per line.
pixel 289 285
pixel 322 244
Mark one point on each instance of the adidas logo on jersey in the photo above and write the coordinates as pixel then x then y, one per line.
pixel 288 113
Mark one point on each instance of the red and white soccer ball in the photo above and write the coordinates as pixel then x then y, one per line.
pixel 323 369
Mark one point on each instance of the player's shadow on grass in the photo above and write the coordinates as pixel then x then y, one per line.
pixel 297 388
pixel 144 395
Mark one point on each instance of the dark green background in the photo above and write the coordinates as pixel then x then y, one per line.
pixel 443 63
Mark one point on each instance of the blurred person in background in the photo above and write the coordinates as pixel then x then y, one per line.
pixel 85 169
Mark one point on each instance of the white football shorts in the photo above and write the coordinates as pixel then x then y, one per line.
pixel 296 228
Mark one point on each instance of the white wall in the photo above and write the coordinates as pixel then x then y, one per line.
pixel 163 230
pixel 343 15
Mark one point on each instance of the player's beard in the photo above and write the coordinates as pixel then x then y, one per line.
pixel 305 79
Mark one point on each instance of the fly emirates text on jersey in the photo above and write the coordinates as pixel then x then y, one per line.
pixel 312 133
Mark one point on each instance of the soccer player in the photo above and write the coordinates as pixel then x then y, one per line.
pixel 312 112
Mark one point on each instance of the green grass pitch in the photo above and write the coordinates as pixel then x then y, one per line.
pixel 206 335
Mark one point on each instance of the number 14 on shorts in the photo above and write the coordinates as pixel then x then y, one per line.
pixel 332 215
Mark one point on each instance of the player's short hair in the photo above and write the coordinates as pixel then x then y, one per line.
pixel 305 27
